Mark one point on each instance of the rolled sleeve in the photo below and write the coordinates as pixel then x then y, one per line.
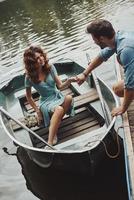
pixel 106 53
pixel 129 77
pixel 127 60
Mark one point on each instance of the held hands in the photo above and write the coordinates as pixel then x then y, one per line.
pixel 81 78
pixel 72 79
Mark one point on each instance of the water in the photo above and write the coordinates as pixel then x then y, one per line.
pixel 59 27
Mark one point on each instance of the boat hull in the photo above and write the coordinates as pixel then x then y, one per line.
pixel 84 162
pixel 77 160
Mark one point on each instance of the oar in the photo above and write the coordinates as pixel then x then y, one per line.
pixel 25 127
pixel 99 92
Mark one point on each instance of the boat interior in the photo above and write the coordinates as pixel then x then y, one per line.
pixel 86 118
pixel 87 122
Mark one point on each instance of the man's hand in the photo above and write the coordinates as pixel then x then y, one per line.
pixel 117 111
pixel 81 78
pixel 128 97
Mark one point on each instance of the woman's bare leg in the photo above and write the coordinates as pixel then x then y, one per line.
pixel 67 103
pixel 118 88
pixel 57 116
pixel 55 123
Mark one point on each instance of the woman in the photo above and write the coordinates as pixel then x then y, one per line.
pixel 44 78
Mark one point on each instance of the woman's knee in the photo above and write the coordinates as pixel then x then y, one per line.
pixel 59 110
pixel 68 98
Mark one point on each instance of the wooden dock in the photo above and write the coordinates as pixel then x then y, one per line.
pixel 130 114
pixel 128 127
pixel 128 123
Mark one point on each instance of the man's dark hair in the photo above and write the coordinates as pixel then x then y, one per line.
pixel 101 27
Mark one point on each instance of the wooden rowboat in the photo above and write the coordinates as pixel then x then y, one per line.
pixel 80 138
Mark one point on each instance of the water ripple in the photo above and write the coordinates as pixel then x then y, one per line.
pixel 59 30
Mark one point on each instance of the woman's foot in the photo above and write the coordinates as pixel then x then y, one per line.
pixel 47 148
pixel 55 140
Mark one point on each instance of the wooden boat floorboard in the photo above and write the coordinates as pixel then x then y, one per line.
pixel 72 130
pixel 69 125
pixel 37 128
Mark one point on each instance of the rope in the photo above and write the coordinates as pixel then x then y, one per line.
pixel 105 147
pixel 5 149
pixel 118 145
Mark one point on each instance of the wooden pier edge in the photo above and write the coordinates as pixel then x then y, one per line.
pixel 127 136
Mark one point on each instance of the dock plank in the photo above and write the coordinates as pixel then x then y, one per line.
pixel 128 124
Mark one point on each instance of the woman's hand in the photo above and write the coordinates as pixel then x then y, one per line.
pixel 72 79
pixel 39 117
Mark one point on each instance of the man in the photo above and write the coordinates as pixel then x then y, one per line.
pixel 110 42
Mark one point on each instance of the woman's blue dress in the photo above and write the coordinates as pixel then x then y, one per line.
pixel 50 96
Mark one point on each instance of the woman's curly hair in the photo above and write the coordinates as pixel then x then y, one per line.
pixel 30 62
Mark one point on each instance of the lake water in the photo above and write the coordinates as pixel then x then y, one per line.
pixel 59 27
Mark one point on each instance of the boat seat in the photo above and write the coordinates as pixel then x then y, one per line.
pixel 79 101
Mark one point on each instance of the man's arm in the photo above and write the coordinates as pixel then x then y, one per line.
pixel 94 64
pixel 128 97
pixel 104 55
pixel 126 58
